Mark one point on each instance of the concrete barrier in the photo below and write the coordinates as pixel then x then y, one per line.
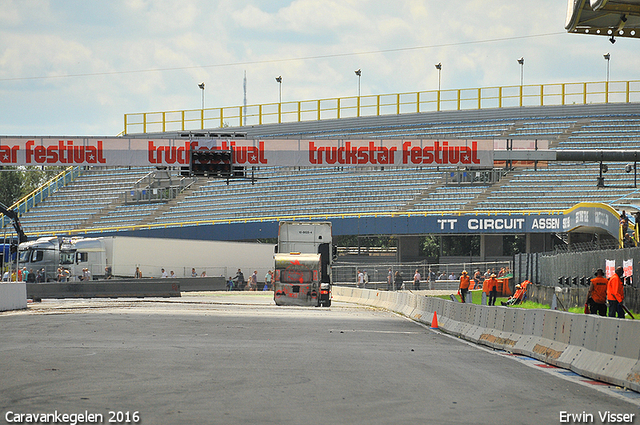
pixel 13 296
pixel 214 283
pixel 106 289
pixel 601 348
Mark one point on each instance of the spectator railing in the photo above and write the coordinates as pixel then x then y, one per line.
pixel 579 93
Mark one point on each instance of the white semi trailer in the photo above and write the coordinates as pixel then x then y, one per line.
pixel 120 255
pixel 309 238
pixel 305 253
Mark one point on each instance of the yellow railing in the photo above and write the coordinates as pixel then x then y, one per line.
pixel 304 217
pixel 384 104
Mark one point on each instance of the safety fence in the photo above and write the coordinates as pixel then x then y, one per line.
pixel 444 276
pixel 577 93
pixel 572 268
pixel 52 273
pixel 568 297
pixel 601 348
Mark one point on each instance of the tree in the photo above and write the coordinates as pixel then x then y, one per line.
pixel 17 182
pixel 514 244
pixel 10 185
pixel 430 246
pixel 461 245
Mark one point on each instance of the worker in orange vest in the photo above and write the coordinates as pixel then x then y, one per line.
pixel 615 294
pixel 597 295
pixel 464 285
pixel 490 287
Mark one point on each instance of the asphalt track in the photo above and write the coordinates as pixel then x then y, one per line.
pixel 239 359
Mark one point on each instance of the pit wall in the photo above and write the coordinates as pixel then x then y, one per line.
pixel 601 348
pixel 13 296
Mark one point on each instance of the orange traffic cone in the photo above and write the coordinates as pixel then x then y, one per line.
pixel 434 321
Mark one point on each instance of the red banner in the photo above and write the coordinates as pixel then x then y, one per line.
pixel 24 151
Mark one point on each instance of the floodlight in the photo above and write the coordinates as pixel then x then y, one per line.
pixel 279 80
pixel 201 85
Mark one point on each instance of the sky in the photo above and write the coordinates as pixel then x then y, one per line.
pixel 75 67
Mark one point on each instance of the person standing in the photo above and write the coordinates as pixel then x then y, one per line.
pixel 597 295
pixel 477 278
pixel 416 280
pixel 490 287
pixel 254 280
pixel 398 281
pixel 267 280
pixel 624 222
pixel 615 294
pixel 390 280
pixel 239 280
pixel 360 279
pixel 465 281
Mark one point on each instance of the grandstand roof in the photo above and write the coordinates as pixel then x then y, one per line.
pixel 619 18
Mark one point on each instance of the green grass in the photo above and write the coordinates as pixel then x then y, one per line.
pixel 477 299
pixel 476 296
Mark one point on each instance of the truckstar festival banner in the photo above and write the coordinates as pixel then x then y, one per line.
pixel 25 151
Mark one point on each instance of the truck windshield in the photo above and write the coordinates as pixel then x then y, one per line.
pixel 24 256
pixel 67 257
pixel 296 276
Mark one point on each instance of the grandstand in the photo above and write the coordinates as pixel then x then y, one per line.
pixel 100 199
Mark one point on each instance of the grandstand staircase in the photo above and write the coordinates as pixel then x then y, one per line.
pixel 424 193
pixel 565 135
pixel 507 133
pixel 100 214
pixel 168 205
pixel 157 179
pixel 473 204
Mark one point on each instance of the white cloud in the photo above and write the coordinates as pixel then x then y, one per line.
pixel 179 44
